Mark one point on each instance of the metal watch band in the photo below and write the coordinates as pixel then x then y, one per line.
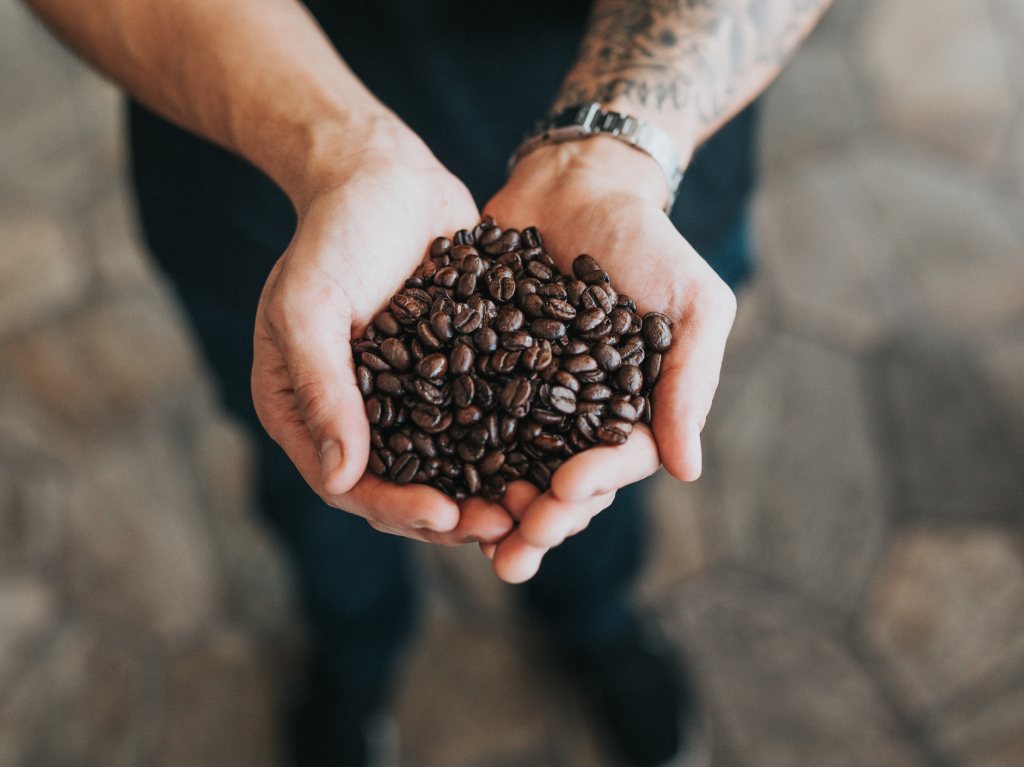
pixel 582 121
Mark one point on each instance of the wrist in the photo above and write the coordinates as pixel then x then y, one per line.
pixel 332 150
pixel 598 164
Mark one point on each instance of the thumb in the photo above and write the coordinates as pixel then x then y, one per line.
pixel 321 421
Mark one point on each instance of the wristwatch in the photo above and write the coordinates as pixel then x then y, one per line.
pixel 582 121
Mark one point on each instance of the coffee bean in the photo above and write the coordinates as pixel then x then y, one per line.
pixel 463 390
pixel 396 354
pixel 589 319
pixel 596 297
pixel 632 351
pixel 515 396
pixel 580 363
pixel 517 340
pixel 433 366
pixel 374 362
pixel 607 357
pixel 559 309
pixel 630 379
pixel 549 443
pixel 508 240
pixel 491 463
pixel 549 329
pixel 532 305
pixel 622 407
pixel 652 368
pixel 595 392
pixel 566 379
pixel 386 324
pixel 460 360
pixel 400 442
pixel 502 289
pixel 583 265
pixel 539 270
pixel 509 319
pixel 427 391
pixel 391 384
pixel 657 331
pixel 538 357
pixel 376 464
pixel 440 246
pixel 531 237
pixel 365 380
pixel 467 320
pixel 563 399
pixel 472 477
pixel 406 308
pixel 494 487
pixel 404 468
pixel 504 361
pixel 424 444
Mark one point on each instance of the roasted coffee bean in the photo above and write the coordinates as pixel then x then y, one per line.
pixel 559 309
pixel 470 451
pixel 532 305
pixel 446 277
pixel 376 464
pixel 396 354
pixel 463 391
pixel 374 362
pixel 657 331
pixel 424 444
pixel 538 357
pixel 442 325
pixel 595 392
pixel 502 289
pixel 468 320
pixel 391 384
pixel 531 237
pixel 549 443
pixel 494 487
pixel 433 366
pixel 652 368
pixel 427 336
pixel 504 361
pixel 621 320
pixel 622 407
pixel 460 360
pixel 400 442
pixel 614 431
pixel 581 363
pixel 506 241
pixel 386 324
pixel 365 380
pixel 547 417
pixel 566 379
pixel 466 285
pixel 589 319
pixel 630 379
pixel 632 351
pixel 540 270
pixel 491 463
pixel 517 340
pixel 607 357
pixel 529 430
pixel 440 246
pixel 549 329
pixel 515 396
pixel 467 416
pixel 485 340
pixel 507 428
pixel 562 399
pixel 472 477
pixel 509 319
pixel 595 297
pixel 471 263
pixel 427 391
pixel 404 468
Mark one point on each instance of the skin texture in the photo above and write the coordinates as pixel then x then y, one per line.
pixel 259 78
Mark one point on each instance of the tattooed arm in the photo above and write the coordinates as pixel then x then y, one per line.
pixel 685 65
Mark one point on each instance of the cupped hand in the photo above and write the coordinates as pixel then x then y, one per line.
pixel 604 198
pixel 356 242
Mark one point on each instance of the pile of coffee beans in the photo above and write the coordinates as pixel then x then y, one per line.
pixel 490 365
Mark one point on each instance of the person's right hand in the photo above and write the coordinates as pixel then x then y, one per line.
pixel 358 238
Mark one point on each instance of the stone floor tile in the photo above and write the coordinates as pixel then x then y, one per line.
pixel 474 696
pixel 984 733
pixel 120 257
pixel 783 690
pixel 797 488
pixel 43 270
pixel 28 613
pixel 143 557
pixel 222 707
pixel 945 82
pixel 962 258
pixel 108 361
pixel 823 254
pixel 32 524
pixel 946 614
pixel 814 108
pixel 84 700
pixel 954 451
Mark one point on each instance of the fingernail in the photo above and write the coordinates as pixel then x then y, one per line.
pixel 330 459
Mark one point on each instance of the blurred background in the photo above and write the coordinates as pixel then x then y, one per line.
pixel 848 576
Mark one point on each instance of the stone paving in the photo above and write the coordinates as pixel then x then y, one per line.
pixel 847 578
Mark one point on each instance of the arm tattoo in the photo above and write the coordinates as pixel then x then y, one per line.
pixel 695 55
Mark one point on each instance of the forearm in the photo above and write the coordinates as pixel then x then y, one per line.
pixel 256 76
pixel 685 65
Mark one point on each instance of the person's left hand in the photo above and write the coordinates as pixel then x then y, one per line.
pixel 604 198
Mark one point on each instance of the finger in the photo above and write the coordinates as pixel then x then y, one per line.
pixel 689 379
pixel 518 496
pixel 418 509
pixel 606 468
pixel 480 521
pixel 549 521
pixel 515 560
pixel 311 330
